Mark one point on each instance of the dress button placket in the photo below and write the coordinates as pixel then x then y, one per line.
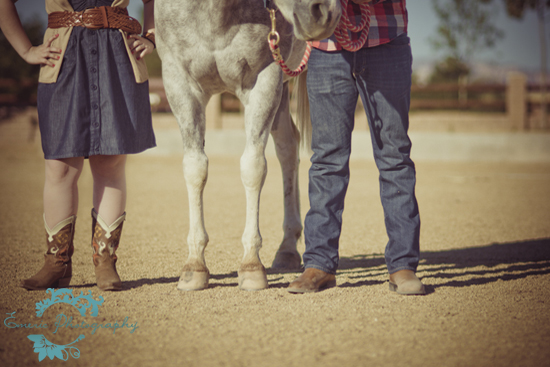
pixel 94 92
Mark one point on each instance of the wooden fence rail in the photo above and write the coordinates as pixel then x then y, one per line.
pixel 520 101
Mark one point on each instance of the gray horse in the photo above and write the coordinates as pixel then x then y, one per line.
pixel 215 46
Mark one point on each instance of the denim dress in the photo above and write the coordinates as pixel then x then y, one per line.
pixel 96 107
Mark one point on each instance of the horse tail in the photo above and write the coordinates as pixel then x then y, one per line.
pixel 302 111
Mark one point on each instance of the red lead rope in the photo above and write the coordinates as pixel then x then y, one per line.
pixel 273 40
pixel 341 31
pixel 275 51
pixel 341 34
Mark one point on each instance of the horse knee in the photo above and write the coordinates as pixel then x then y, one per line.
pixel 195 169
pixel 253 169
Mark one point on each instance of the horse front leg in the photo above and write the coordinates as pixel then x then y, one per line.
pixel 189 112
pixel 260 106
pixel 287 138
pixel 195 274
pixel 252 274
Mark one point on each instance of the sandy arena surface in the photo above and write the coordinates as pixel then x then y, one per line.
pixel 485 244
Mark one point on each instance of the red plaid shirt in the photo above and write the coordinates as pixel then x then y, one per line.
pixel 388 20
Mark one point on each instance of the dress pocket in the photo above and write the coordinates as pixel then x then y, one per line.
pixel 120 46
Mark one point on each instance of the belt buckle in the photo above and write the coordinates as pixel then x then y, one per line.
pixel 85 19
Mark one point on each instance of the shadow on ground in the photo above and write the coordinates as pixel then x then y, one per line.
pixel 453 268
pixel 480 265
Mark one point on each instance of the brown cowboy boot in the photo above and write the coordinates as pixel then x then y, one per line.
pixel 312 280
pixel 406 282
pixel 105 241
pixel 58 269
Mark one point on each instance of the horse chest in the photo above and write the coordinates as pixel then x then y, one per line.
pixel 227 68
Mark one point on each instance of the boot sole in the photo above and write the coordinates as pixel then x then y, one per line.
pixel 60 283
pixel 329 284
pixel 395 288
pixel 111 288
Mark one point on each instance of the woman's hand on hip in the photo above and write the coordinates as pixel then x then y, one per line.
pixel 45 54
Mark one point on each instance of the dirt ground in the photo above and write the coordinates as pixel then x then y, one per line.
pixel 485 244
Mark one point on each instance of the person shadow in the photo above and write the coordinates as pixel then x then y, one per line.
pixel 460 268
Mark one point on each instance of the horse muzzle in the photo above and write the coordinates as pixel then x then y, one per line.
pixel 316 19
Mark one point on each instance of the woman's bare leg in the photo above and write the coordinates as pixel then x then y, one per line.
pixel 61 189
pixel 109 198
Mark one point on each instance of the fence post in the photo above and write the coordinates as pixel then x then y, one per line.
pixel 516 100
pixel 214 113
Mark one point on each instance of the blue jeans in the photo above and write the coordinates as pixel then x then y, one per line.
pixel 382 77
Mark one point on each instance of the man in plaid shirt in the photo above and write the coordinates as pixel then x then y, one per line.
pixel 380 73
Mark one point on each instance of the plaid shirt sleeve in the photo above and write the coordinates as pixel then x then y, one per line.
pixel 388 20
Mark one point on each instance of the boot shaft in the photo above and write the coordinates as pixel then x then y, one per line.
pixel 105 238
pixel 59 240
pixel 57 269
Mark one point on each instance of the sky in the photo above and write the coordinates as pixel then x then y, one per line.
pixel 518 49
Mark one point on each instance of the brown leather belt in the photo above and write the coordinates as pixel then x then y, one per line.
pixel 95 18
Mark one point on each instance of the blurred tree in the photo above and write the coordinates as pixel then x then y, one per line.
pixel 12 65
pixel 449 70
pixel 516 9
pixel 465 26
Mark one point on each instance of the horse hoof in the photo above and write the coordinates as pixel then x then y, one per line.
pixel 287 261
pixel 252 280
pixel 193 280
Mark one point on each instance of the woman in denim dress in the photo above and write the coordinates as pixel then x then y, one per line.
pixel 93 102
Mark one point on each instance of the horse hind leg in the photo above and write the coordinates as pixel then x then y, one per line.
pixel 286 138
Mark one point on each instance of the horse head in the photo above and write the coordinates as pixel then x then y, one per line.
pixel 312 19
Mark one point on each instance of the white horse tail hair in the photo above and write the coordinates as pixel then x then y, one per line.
pixel 303 119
